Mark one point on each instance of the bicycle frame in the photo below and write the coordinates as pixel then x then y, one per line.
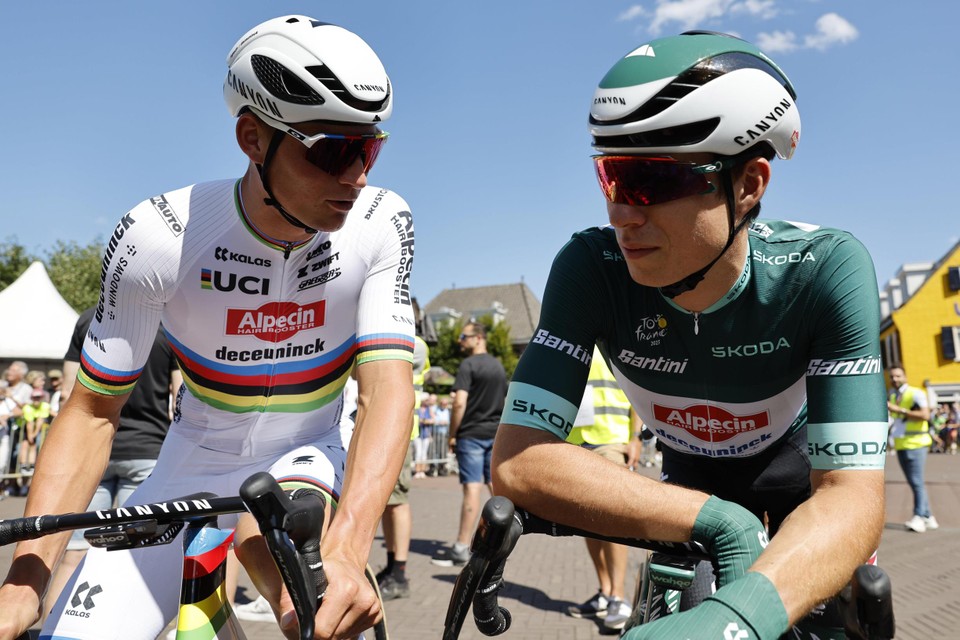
pixel 205 612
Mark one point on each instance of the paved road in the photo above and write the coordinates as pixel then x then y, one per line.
pixel 547 574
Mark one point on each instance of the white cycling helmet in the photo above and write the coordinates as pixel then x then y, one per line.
pixel 296 69
pixel 695 92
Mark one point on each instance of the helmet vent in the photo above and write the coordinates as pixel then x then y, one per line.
pixel 333 84
pixel 679 136
pixel 282 83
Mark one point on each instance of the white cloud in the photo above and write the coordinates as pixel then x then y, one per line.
pixel 687 13
pixel 681 15
pixel 633 12
pixel 777 41
pixel 831 29
pixel 763 9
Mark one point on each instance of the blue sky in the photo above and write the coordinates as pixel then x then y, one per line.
pixel 108 103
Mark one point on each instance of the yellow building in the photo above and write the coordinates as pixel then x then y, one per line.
pixel 920 325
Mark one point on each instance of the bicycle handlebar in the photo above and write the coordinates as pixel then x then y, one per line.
pixel 868 610
pixel 290 526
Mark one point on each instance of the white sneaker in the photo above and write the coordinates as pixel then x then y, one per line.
pixel 916 523
pixel 257 611
pixel 617 613
pixel 931 523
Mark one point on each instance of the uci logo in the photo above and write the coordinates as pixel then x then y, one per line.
pixel 250 285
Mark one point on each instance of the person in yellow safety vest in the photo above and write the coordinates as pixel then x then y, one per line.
pixel 607 425
pixel 911 438
pixel 397 520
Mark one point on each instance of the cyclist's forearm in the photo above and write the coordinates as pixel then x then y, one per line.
pixel 69 467
pixel 835 531
pixel 377 451
pixel 567 484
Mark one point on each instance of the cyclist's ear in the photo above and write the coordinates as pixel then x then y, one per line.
pixel 750 184
pixel 253 136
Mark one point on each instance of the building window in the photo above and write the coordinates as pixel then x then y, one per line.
pixel 953 278
pixel 950 343
pixel 890 349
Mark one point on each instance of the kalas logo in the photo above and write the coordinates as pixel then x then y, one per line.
pixel 275 321
pixel 711 424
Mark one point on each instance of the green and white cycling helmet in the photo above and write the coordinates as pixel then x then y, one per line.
pixel 296 69
pixel 696 92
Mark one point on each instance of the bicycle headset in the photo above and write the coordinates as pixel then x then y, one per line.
pixel 697 92
pixel 297 69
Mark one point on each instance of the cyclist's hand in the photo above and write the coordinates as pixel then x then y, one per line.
pixel 749 608
pixel 20 608
pixel 732 535
pixel 350 605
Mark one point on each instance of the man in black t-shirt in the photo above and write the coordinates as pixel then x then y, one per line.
pixel 479 392
pixel 144 421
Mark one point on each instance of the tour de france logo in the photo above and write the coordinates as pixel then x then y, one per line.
pixel 652 330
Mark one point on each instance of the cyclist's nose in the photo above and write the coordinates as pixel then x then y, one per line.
pixel 624 215
pixel 354 175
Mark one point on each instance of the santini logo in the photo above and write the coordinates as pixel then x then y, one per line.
pixel 547 339
pixel 858 367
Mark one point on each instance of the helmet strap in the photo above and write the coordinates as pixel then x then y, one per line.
pixel 692 280
pixel 271 200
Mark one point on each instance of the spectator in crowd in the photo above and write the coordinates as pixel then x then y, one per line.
pixel 950 428
pixel 7 407
pixel 54 380
pixel 938 419
pixel 441 431
pixel 427 420
pixel 18 389
pixel 911 438
pixel 479 392
pixel 607 426
pixel 35 417
pixel 36 379
pixel 144 421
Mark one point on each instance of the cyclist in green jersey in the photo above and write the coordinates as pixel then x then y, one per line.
pixel 750 347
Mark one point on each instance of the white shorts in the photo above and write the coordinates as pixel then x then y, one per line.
pixel 133 595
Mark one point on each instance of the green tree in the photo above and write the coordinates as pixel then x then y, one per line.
pixel 14 260
pixel 446 353
pixel 75 271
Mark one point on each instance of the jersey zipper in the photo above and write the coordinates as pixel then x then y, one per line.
pixel 696 323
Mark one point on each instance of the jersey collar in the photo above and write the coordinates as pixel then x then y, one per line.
pixel 738 288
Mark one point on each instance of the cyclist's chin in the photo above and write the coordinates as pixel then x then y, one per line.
pixel 651 274
pixel 328 220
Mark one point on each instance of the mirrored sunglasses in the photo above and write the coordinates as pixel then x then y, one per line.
pixel 334 153
pixel 642 181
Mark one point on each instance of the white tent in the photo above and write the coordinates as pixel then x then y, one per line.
pixel 35 321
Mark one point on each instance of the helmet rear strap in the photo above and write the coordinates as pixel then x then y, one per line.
pixel 272 201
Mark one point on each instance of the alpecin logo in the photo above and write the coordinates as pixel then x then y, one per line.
pixel 275 321
pixel 710 424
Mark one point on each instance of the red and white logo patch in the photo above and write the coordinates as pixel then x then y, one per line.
pixel 275 321
pixel 710 424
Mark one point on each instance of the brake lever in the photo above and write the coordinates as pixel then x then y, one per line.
pixel 285 528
